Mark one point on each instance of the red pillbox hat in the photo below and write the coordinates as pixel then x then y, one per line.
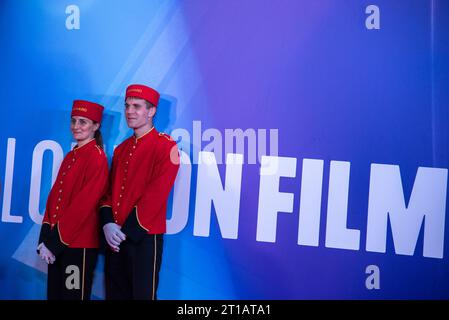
pixel 90 110
pixel 143 92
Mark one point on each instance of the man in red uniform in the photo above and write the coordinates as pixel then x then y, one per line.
pixel 133 213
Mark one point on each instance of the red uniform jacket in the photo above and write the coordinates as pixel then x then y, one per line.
pixel 71 215
pixel 143 172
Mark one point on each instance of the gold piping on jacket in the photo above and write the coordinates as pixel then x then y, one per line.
pixel 154 266
pixel 60 237
pixel 99 149
pixel 137 216
pixel 76 148
pixel 144 134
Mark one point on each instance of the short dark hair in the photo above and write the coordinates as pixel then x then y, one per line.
pixel 149 104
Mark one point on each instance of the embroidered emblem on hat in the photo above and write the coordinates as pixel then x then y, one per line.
pixel 135 90
pixel 80 109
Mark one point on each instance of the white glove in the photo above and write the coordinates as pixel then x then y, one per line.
pixel 46 254
pixel 114 236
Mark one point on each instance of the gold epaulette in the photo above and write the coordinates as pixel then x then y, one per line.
pixel 166 136
pixel 99 149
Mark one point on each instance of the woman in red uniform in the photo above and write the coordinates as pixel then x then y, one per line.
pixel 69 237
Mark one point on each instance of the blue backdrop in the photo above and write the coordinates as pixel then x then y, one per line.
pixel 344 105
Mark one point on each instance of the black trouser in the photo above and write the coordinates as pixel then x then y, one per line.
pixel 133 272
pixel 70 277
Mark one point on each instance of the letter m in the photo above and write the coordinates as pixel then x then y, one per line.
pixel 427 205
